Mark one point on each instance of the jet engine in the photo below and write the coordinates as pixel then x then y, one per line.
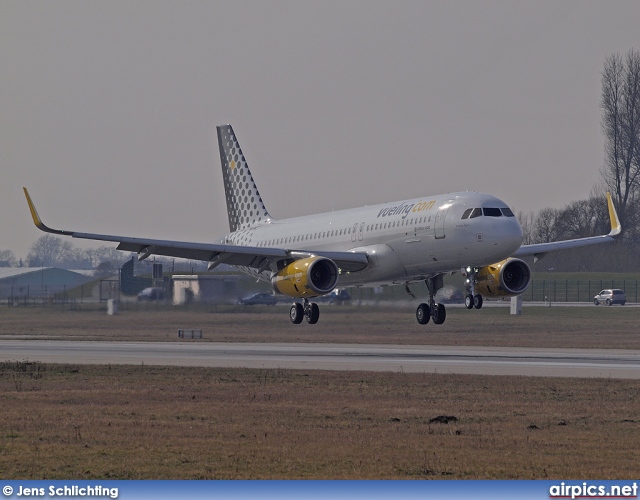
pixel 308 277
pixel 507 278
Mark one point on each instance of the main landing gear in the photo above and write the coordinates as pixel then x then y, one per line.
pixel 309 310
pixel 438 312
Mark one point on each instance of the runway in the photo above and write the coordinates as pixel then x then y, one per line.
pixel 585 363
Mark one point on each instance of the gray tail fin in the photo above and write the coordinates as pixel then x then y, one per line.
pixel 244 204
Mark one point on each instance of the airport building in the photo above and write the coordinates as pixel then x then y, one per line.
pixel 220 289
pixel 24 282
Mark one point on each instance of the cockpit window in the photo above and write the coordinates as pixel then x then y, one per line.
pixel 492 212
pixel 507 212
pixel 472 213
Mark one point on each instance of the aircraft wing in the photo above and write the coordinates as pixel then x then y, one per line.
pixel 538 250
pixel 255 257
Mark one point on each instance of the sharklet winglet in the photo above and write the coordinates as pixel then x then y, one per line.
pixel 38 221
pixel 616 228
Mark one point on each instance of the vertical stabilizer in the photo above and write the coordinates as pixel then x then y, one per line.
pixel 244 204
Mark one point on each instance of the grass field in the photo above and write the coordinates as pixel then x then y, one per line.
pixel 118 422
pixel 556 326
pixel 123 422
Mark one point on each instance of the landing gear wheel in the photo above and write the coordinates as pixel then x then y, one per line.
pixel 312 313
pixel 422 314
pixel 296 313
pixel 439 313
pixel 468 301
pixel 477 301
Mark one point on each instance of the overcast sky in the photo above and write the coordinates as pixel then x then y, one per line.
pixel 108 109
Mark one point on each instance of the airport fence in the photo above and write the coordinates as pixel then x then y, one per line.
pixel 540 290
pixel 59 295
pixel 577 290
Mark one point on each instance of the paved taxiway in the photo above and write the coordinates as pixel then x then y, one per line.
pixel 608 363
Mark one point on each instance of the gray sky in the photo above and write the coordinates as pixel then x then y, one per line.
pixel 109 108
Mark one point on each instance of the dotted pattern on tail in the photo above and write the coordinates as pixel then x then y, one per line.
pixel 244 204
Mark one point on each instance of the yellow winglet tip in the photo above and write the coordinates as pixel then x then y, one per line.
pixel 616 228
pixel 34 213
pixel 36 218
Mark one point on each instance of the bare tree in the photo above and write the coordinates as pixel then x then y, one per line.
pixel 110 254
pixel 9 257
pixel 546 225
pixel 49 251
pixel 76 258
pixel 583 218
pixel 527 222
pixel 621 128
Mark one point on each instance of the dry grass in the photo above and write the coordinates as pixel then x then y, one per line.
pixel 586 327
pixel 155 422
pixel 77 422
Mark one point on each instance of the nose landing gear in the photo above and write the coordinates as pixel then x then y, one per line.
pixel 471 300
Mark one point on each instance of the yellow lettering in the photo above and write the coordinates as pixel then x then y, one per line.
pixel 423 205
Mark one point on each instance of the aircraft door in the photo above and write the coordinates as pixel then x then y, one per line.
pixel 361 232
pixel 353 232
pixel 438 226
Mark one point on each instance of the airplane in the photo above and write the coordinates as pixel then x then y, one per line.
pixel 399 243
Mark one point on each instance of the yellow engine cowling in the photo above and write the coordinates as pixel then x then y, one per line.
pixel 507 278
pixel 310 277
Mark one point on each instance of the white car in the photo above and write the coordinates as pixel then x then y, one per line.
pixel 610 297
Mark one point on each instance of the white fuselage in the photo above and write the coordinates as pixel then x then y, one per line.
pixel 405 241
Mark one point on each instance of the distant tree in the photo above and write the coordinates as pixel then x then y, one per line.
pixel 109 254
pixel 546 225
pixel 76 258
pixel 49 251
pixel 583 218
pixel 9 257
pixel 527 222
pixel 105 269
pixel 621 128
